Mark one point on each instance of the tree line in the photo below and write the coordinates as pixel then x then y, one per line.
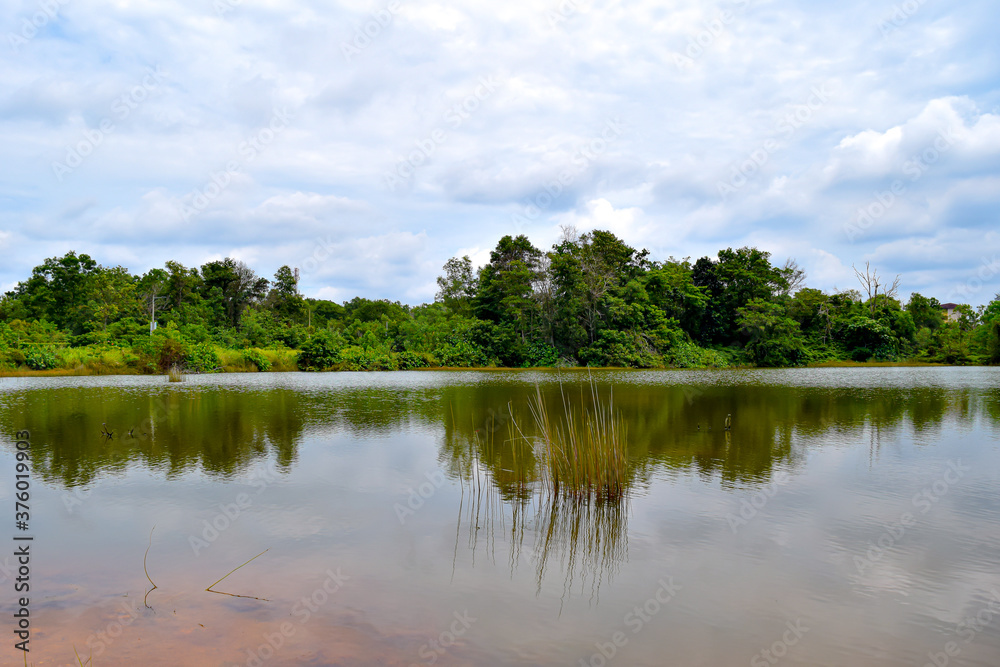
pixel 589 300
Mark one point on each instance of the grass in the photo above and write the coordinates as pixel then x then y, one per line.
pixel 233 361
pixel 175 374
pixel 847 363
pixel 583 451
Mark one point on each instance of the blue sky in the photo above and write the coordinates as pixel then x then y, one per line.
pixel 366 143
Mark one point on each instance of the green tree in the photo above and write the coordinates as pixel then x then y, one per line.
pixel 506 285
pixel 457 287
pixel 284 298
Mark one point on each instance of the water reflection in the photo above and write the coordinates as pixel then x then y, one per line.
pixel 506 508
pixel 671 427
pixel 850 454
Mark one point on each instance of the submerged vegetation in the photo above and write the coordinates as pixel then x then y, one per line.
pixel 591 300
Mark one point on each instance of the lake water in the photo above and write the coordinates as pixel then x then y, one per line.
pixel 849 517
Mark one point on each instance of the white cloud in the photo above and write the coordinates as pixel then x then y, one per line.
pixel 686 126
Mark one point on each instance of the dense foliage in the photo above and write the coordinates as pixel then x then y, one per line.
pixel 590 300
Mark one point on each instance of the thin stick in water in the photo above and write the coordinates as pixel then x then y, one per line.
pixel 209 589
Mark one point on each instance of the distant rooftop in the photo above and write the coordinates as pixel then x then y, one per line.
pixel 949 306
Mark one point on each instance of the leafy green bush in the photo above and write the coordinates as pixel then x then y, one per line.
pixel 407 360
pixel 688 355
pixel 356 358
pixel 202 358
pixel 40 359
pixel 15 357
pixel 171 353
pixel 622 349
pixel 538 353
pixel 320 352
pixel 257 358
pixel 462 354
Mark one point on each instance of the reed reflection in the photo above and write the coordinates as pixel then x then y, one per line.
pixel 552 486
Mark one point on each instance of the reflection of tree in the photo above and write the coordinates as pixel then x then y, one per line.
pixel 173 431
pixel 672 429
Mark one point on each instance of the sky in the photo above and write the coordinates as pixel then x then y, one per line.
pixel 366 143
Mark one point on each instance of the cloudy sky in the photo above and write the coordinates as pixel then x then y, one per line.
pixel 368 142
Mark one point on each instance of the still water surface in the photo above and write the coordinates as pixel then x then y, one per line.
pixel 849 517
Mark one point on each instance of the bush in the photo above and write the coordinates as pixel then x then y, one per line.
pixel 539 354
pixel 40 359
pixel 688 355
pixel 15 357
pixel 202 358
pixel 320 352
pixel 620 349
pixel 354 358
pixel 409 360
pixel 257 358
pixel 171 353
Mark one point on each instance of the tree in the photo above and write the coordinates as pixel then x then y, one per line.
pixel 925 312
pixel 284 298
pixel 457 287
pixel 774 339
pixel 736 279
pixel 795 276
pixel 230 286
pixel 506 284
pixel 112 295
pixel 871 283
pixel 57 291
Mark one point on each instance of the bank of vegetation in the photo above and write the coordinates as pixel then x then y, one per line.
pixel 591 300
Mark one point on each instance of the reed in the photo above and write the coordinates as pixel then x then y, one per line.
pixel 174 374
pixel 583 451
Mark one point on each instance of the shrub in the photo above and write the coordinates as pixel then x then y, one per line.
pixel 409 360
pixel 355 358
pixel 257 358
pixel 40 359
pixel 320 352
pixel 202 358
pixel 171 353
pixel 540 354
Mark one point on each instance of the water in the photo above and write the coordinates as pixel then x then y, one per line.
pixel 849 517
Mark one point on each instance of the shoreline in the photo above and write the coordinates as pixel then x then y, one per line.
pixel 90 372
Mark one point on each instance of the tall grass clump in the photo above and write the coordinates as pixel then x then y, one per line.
pixel 583 450
pixel 174 374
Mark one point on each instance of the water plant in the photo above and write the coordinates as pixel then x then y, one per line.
pixel 583 451
pixel 174 374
